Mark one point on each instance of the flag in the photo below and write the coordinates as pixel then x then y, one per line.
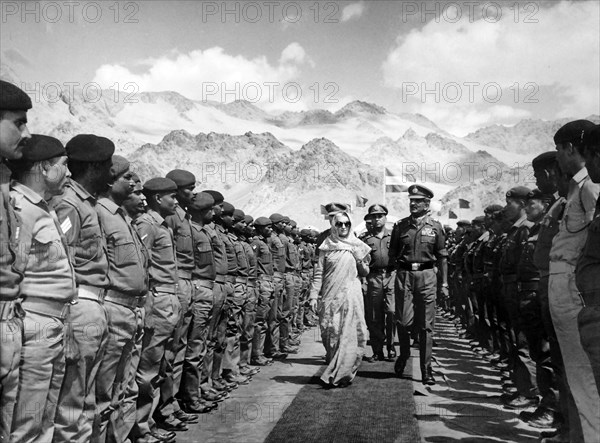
pixel 361 201
pixel 464 204
pixel 451 214
pixel 323 210
pixel 394 183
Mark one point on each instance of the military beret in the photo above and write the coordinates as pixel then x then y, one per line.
pixel 314 233
pixel 419 191
pixel 464 223
pixel 228 208
pixel 201 202
pixel 286 219
pixel 293 223
pixel 248 219
pixel 13 98
pixel 238 215
pixel 160 184
pixel 335 207
pixel 480 220
pixel 573 131
pixel 305 232
pixel 136 178
pixel 42 147
pixel 493 208
pixel 217 196
pixel 119 166
pixel 182 178
pixel 90 148
pixel 518 192
pixel 544 160
pixel 263 221
pixel 376 209
pixel 592 138
pixel 276 218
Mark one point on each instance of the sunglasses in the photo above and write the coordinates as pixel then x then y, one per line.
pixel 340 224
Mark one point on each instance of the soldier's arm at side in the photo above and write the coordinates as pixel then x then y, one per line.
pixel 146 232
pixel 70 224
pixel 589 196
pixel 318 277
pixel 393 250
pixel 442 256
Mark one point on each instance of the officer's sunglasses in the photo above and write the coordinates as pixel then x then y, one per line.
pixel 340 224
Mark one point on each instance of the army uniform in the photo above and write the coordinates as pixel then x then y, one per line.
pixel 479 289
pixel 290 292
pixel 306 258
pixel 249 310
pixel 273 344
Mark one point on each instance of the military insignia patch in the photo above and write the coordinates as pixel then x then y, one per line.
pixel 428 232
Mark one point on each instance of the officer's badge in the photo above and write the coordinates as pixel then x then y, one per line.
pixel 428 232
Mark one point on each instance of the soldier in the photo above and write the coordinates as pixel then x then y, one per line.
pixel 416 245
pixel 588 266
pixel 456 272
pixel 128 285
pixel 47 289
pixel 162 306
pixel 563 297
pixel 294 236
pixel 306 257
pixel 89 163
pixel 203 281
pixel 175 353
pixel 264 260
pixel 14 104
pixel 287 344
pixel 379 294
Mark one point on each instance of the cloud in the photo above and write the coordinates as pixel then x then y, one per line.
pixel 353 11
pixel 559 51
pixel 213 74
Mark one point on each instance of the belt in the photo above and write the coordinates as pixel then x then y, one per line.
pixel 220 278
pixel 46 306
pixel 10 309
pixel 560 267
pixel 129 301
pixel 407 266
pixel 169 289
pixel 184 274
pixel 242 280
pixel 204 283
pixel 278 274
pixel 230 278
pixel 509 278
pixel 527 286
pixel 90 293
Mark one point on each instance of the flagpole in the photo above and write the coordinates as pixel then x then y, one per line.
pixel 383 202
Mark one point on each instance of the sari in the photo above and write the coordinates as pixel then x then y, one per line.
pixel 341 308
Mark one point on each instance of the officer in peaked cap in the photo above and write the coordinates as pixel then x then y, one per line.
pixel 417 246
pixel 379 292
pixel 335 207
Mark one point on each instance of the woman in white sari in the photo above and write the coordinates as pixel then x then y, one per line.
pixel 342 258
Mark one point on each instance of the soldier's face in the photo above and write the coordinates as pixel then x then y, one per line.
pixel 544 181
pixel 57 175
pixel 418 206
pixel 227 220
pixel 535 209
pixel 136 201
pixel 512 208
pixel 265 231
pixel 167 203
pixel 185 195
pixel 13 134
pixel 207 215
pixel 378 220
pixel 123 186
pixel 102 174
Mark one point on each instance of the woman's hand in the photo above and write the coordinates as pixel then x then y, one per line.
pixel 313 304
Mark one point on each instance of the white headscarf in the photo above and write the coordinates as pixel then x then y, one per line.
pixel 350 243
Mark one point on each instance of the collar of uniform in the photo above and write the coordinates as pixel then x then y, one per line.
pixel 28 193
pixel 181 213
pixel 156 216
pixel 110 205
pixel 581 175
pixel 5 174
pixel 424 219
pixel 80 190
pixel 220 228
pixel 520 222
pixel 556 196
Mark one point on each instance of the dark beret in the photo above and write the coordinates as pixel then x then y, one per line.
pixel 493 208
pixel 305 232
pixel 480 220
pixel 464 223
pixel 573 132
pixel 182 178
pixel 228 208
pixel 276 218
pixel 535 194
pixel 376 209
pixel 119 166
pixel 42 147
pixel 90 148
pixel 286 219
pixel 263 221
pixel 238 215
pixel 592 138
pixel 13 98
pixel 419 191
pixel 293 223
pixel 518 192
pixel 201 201
pixel 335 207
pixel 248 219
pixel 160 184
pixel 544 160
pixel 216 195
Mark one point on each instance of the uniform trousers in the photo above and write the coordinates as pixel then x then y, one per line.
pixel 285 308
pixel 172 364
pixel 415 307
pixel 272 343
pixel 113 368
pixel 380 309
pixel 87 336
pixel 162 316
pixel 11 338
pixel 197 343
pixel 295 302
pixel 565 304
pixel 302 299
pixel 248 319
pixel 264 300
pixel 236 303
pixel 41 376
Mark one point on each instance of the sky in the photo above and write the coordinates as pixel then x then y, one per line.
pixel 463 64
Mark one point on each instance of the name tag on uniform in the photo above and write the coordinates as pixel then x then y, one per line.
pixel 428 232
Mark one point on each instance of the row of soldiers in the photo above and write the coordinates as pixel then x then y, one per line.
pixel 525 289
pixel 127 309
